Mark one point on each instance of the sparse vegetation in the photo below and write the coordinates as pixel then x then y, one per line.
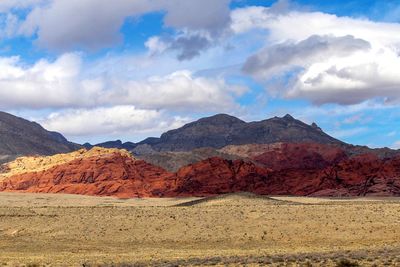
pixel 234 230
pixel 346 263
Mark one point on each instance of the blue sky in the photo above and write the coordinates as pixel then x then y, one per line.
pixel 97 71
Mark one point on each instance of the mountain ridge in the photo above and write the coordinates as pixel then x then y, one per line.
pixel 220 130
pixel 20 137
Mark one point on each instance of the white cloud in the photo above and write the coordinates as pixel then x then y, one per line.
pixel 111 121
pixel 330 77
pixel 155 45
pixel 352 79
pixel 93 24
pixel 44 84
pixel 7 5
pixel 63 84
pixel 210 15
pixel 9 25
pixel 396 145
pixel 285 56
pixel 345 133
pixel 179 90
pixel 246 19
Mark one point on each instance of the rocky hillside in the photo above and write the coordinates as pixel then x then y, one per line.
pixel 222 130
pixel 174 160
pixel 305 169
pixel 99 171
pixel 22 137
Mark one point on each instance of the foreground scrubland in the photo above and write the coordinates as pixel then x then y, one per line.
pixel 236 229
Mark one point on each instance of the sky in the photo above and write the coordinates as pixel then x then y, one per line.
pixel 99 70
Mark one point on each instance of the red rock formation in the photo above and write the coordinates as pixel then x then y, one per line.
pixel 300 156
pixel 115 175
pixel 293 169
pixel 216 176
pixel 362 175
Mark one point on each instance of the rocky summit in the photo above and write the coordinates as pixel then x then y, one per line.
pixel 22 137
pixel 222 130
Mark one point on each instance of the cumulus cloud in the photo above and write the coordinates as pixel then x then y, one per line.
pixel 62 84
pixel 110 120
pixel 7 5
pixel 210 15
pixel 93 24
pixel 179 90
pixel 187 45
pixel 284 56
pixel 90 24
pixel 351 79
pixel 44 84
pixel 342 60
pixel 196 32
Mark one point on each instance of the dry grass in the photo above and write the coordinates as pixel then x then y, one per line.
pixel 233 230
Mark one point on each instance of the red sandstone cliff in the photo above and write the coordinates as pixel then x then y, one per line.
pixel 289 169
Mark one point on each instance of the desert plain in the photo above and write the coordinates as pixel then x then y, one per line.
pixel 229 230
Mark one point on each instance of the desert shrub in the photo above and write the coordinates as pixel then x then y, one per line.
pixel 346 263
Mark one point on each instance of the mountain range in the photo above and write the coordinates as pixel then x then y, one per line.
pixel 221 130
pixel 213 155
pixel 208 136
pixel 19 137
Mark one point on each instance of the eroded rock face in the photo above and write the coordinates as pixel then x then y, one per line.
pixel 116 173
pixel 41 163
pixel 217 176
pixel 283 169
pixel 105 173
pixel 300 156
pixel 333 173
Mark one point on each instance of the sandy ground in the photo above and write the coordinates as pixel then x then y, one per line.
pixel 233 230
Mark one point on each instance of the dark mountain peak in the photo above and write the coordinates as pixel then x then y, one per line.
pixel 288 117
pixel 284 119
pixel 111 144
pixel 19 136
pixel 114 144
pixel 221 130
pixel 87 145
pixel 316 127
pixel 223 119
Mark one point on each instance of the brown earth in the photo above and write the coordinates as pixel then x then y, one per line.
pixel 231 230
